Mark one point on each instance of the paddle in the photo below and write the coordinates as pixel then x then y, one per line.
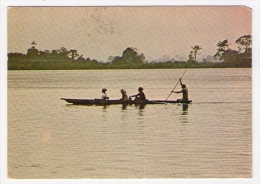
pixel 175 86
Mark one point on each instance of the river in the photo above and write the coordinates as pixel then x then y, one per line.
pixel 49 138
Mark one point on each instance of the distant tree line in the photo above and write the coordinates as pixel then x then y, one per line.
pixel 70 59
pixel 236 58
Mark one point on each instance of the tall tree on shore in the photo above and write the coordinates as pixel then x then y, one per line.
pixel 73 54
pixel 33 44
pixel 245 43
pixel 129 56
pixel 195 49
pixel 63 53
pixel 191 57
pixel 222 50
pixel 141 57
pixel 63 50
pixel 32 53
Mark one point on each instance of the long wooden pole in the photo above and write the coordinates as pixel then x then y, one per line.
pixel 175 86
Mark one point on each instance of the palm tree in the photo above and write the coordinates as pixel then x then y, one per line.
pixel 196 48
pixel 223 50
pixel 33 44
pixel 245 42
pixel 73 54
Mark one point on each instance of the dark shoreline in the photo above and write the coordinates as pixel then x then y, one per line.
pixel 75 65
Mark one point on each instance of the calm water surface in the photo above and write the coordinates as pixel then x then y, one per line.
pixel 210 138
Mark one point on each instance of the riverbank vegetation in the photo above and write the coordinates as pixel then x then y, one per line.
pixel 64 59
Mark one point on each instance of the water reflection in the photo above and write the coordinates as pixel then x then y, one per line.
pixel 141 109
pixel 104 107
pixel 185 109
pixel 184 114
pixel 141 106
pixel 124 106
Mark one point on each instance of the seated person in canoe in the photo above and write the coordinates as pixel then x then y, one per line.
pixel 104 96
pixel 124 95
pixel 184 92
pixel 140 96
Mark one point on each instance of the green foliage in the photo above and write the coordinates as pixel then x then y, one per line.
pixel 129 56
pixel 191 57
pixel 244 42
pixel 64 59
pixel 222 50
pixel 233 58
pixel 195 49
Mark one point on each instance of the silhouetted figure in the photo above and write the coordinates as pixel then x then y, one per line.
pixel 124 95
pixel 104 96
pixel 140 96
pixel 184 92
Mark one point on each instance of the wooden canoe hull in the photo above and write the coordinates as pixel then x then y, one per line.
pixel 110 102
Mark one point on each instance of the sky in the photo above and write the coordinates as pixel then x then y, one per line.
pixel 100 32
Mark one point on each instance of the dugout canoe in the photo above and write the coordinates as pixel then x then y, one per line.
pixel 110 102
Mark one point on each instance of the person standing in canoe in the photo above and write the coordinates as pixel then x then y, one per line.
pixel 124 95
pixel 104 96
pixel 140 96
pixel 184 92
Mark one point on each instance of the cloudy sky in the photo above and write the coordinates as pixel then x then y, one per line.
pixel 100 32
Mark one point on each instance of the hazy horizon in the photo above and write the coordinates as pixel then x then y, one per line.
pixel 100 32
